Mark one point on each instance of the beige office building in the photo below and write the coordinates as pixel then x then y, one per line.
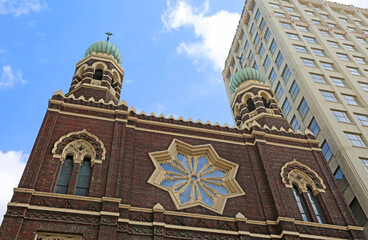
pixel 315 56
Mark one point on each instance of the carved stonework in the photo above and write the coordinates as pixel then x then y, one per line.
pixel 58 236
pixel 195 176
pixel 302 176
pixel 80 144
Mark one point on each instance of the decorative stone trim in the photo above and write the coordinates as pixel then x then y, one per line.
pixel 57 236
pixel 80 144
pixel 195 176
pixel 302 176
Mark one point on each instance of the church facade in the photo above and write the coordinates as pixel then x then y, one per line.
pixel 100 170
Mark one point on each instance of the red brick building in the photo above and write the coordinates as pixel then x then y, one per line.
pixel 99 170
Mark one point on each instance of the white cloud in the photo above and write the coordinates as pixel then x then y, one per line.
pixel 12 165
pixel 9 77
pixel 214 33
pixel 20 7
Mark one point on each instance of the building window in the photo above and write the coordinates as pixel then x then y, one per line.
pixel 364 86
pixel 84 178
pixel 324 16
pixel 316 208
pixel 365 163
pixel 274 6
pixel 286 25
pixel 295 17
pixel 301 205
pixel 290 9
pixel 309 13
pixel 350 100
pixel 273 46
pixel 295 124
pixel 308 62
pixel 358 212
pixel 338 81
pixel 359 60
pixel 294 90
pixel 98 74
pixel 329 96
pixel 343 57
pixel 362 40
pixel 319 52
pixel 340 178
pixel 310 39
pixel 272 76
pixel 258 13
pixel 279 59
pixel 261 50
pixel 286 73
pixel 362 119
pixel 266 63
pixel 341 116
pixel 255 66
pixel 279 14
pixel 314 127
pixel 292 36
pixel 252 29
pixel 354 71
pixel 256 39
pixel 333 44
pixel 318 78
pixel 358 23
pixel 355 140
pixel 262 24
pixel 317 22
pixel 340 36
pixel 326 150
pixel 324 33
pixel 62 183
pixel 246 46
pixel 303 29
pixel 303 107
pixel 350 48
pixel 250 56
pixel 279 90
pixel 268 34
pixel 331 25
pixel 328 66
pixel 286 107
pixel 352 29
pixel 344 20
pixel 300 49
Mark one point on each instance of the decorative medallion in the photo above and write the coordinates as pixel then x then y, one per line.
pixel 195 176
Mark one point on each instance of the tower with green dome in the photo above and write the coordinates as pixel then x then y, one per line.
pixel 99 75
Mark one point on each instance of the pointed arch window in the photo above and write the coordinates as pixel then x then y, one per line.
pixel 301 205
pixel 250 105
pixel 315 205
pixel 265 103
pixel 98 74
pixel 84 178
pixel 62 183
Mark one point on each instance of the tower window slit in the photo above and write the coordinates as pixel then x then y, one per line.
pixel 84 178
pixel 250 105
pixel 301 205
pixel 64 176
pixel 98 74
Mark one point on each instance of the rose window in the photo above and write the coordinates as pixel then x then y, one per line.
pixel 195 176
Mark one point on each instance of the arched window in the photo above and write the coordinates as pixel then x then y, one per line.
pixel 316 208
pixel 301 205
pixel 84 177
pixel 64 176
pixel 250 105
pixel 265 103
pixel 98 74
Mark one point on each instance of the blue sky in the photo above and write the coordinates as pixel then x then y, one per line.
pixel 173 53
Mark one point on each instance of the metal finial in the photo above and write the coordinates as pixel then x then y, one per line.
pixel 108 35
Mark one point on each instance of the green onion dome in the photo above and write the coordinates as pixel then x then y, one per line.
pixel 243 75
pixel 104 47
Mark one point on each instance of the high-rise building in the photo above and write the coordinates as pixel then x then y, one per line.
pixel 100 170
pixel 314 55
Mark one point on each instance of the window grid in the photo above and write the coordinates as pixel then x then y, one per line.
pixel 286 73
pixel 294 90
pixel 318 78
pixel 362 119
pixel 295 124
pixel 292 36
pixel 333 44
pixel 286 107
pixel 303 107
pixel 279 59
pixel 326 150
pixel 308 62
pixel 266 63
pixel 286 25
pixel 272 76
pixel 329 96
pixel 279 90
pixel 314 127
pixel 354 71
pixel 350 100
pixel 359 60
pixel 319 52
pixel 355 140
pixel 273 46
pixel 341 116
pixel 364 86
pixel 338 82
pixel 316 208
pixel 300 49
pixel 310 39
pixel 343 57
